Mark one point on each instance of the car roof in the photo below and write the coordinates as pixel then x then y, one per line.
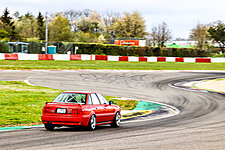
pixel 81 92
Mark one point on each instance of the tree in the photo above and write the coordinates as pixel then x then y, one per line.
pixel 5 18
pixel 16 15
pixel 130 26
pixel 26 26
pixel 91 23
pixel 73 17
pixel 160 34
pixel 108 21
pixel 89 27
pixel 217 33
pixel 200 34
pixel 40 27
pixel 8 24
pixel 60 30
pixel 3 34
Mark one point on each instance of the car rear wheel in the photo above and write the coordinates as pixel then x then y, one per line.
pixel 49 127
pixel 116 120
pixel 92 123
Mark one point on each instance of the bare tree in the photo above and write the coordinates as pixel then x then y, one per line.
pixel 160 34
pixel 109 19
pixel 73 17
pixel 153 36
pixel 200 34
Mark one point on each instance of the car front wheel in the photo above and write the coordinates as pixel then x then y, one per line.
pixel 116 120
pixel 92 123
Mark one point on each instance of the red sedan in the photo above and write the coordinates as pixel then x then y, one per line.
pixel 80 109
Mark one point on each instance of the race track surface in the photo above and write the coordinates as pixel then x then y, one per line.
pixel 200 124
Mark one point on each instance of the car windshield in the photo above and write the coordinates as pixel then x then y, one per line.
pixel 71 98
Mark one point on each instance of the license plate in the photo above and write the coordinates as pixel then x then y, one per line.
pixel 61 110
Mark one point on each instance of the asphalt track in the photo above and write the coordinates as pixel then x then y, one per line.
pixel 200 124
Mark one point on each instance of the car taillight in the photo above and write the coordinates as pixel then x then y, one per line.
pixel 72 111
pixel 48 110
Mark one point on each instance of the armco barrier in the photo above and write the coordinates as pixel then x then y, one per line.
pixel 19 56
pixel 143 59
pixel 101 57
pixel 86 57
pixel 27 56
pixel 45 57
pixel 203 60
pixel 170 59
pixel 113 58
pixel 75 57
pixel 61 57
pixel 123 58
pixel 11 56
pixel 151 59
pixel 133 59
pixel 179 59
pixel 161 59
pixel 2 56
pixel 207 60
pixel 217 60
pixel 189 60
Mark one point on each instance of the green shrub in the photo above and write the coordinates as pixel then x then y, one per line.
pixel 109 49
pixel 4 47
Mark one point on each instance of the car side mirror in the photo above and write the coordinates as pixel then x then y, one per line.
pixel 110 102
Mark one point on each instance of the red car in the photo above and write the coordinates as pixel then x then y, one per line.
pixel 80 109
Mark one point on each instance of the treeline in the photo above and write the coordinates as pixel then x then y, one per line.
pixel 73 26
pixel 89 26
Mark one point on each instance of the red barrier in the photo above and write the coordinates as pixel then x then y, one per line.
pixel 179 59
pixel 123 58
pixel 11 56
pixel 45 57
pixel 75 57
pixel 101 57
pixel 161 59
pixel 143 59
pixel 203 60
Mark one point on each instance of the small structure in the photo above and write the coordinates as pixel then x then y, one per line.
pixel 181 44
pixel 51 49
pixel 130 42
pixel 18 47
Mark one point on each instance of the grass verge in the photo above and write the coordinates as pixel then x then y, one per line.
pixel 216 85
pixel 21 104
pixel 68 65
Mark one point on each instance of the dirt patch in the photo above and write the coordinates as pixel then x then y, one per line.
pixel 214 85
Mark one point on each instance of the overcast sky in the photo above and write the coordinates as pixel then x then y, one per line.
pixel 180 15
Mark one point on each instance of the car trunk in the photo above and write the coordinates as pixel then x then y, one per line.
pixel 56 108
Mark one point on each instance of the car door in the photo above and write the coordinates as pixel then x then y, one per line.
pixel 108 109
pixel 98 108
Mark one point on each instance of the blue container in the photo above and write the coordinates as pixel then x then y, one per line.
pixel 51 49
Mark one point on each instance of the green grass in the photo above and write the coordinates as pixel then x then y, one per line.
pixel 124 104
pixel 219 55
pixel 21 103
pixel 220 79
pixel 68 65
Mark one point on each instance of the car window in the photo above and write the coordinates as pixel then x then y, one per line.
pixel 102 99
pixel 89 100
pixel 94 99
pixel 71 98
